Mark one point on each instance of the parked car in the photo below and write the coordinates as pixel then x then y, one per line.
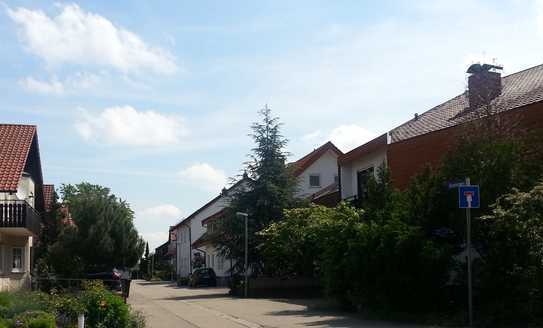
pixel 111 279
pixel 203 277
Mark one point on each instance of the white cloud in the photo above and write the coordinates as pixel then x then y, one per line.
pixel 127 126
pixel 348 137
pixel 203 176
pixel 51 87
pixel 54 86
pixel 312 136
pixel 75 36
pixel 161 212
pixel 155 239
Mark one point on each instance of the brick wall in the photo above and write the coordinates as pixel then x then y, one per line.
pixel 409 157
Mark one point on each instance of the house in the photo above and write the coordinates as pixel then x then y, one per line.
pixel 317 174
pixel 21 203
pixel 516 100
pixel 190 234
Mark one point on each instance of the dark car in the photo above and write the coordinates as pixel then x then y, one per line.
pixel 203 277
pixel 111 279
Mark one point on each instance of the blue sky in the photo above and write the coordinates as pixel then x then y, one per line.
pixel 155 99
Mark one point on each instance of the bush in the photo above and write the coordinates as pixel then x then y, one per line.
pixel 379 264
pixel 34 319
pixel 136 320
pixel 512 271
pixel 182 281
pixel 104 309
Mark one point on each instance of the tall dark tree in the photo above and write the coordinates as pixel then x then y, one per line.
pixel 269 189
pixel 103 237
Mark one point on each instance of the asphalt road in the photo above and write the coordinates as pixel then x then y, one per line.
pixel 166 305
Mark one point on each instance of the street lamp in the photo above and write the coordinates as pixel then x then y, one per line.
pixel 246 216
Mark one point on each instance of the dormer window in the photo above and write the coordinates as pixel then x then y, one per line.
pixel 314 180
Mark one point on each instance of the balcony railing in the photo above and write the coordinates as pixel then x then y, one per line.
pixel 19 214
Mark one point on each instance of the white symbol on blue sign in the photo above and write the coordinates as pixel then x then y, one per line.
pixel 468 196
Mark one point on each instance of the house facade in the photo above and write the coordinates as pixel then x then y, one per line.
pixel 516 101
pixel 21 203
pixel 190 234
pixel 317 175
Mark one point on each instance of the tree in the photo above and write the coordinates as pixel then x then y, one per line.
pixel 512 272
pixel 51 227
pixel 270 189
pixel 104 236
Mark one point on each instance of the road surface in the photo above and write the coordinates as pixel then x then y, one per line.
pixel 167 306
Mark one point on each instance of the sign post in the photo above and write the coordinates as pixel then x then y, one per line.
pixel 468 198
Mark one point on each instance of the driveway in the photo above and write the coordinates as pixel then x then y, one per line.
pixel 166 305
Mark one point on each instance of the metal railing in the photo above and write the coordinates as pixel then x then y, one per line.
pixel 19 214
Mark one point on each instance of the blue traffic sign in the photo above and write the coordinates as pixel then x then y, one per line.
pixel 468 197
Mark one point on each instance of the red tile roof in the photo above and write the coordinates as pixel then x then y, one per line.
pixel 367 148
pixel 15 143
pixel 211 202
pixel 303 163
pixel 48 196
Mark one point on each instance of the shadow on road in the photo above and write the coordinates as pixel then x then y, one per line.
pixel 197 297
pixel 337 319
pixel 155 283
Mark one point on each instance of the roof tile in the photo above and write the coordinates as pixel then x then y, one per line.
pixel 518 89
pixel 15 143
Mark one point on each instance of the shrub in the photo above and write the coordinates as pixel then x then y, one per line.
pixel 136 320
pixel 104 309
pixel 182 281
pixel 12 304
pixel 512 271
pixel 35 319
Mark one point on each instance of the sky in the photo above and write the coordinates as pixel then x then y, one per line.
pixel 154 99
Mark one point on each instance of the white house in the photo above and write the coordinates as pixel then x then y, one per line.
pixel 317 174
pixel 189 233
pixel 21 203
pixel 358 165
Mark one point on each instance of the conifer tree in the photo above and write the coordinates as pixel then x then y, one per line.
pixel 269 189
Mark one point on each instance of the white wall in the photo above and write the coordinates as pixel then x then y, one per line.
pixel 350 170
pixel 326 167
pixel 215 264
pixel 196 231
pixel 14 280
pixel 25 189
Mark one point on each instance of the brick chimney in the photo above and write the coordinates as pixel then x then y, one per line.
pixel 484 84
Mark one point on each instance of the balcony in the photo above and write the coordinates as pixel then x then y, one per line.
pixel 17 217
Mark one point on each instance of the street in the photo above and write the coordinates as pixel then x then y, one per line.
pixel 166 305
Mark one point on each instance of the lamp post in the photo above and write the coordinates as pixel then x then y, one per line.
pixel 246 217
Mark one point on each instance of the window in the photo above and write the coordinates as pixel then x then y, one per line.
pixel 362 178
pixel 17 260
pixel 314 180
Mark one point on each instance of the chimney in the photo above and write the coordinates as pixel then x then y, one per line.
pixel 484 84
